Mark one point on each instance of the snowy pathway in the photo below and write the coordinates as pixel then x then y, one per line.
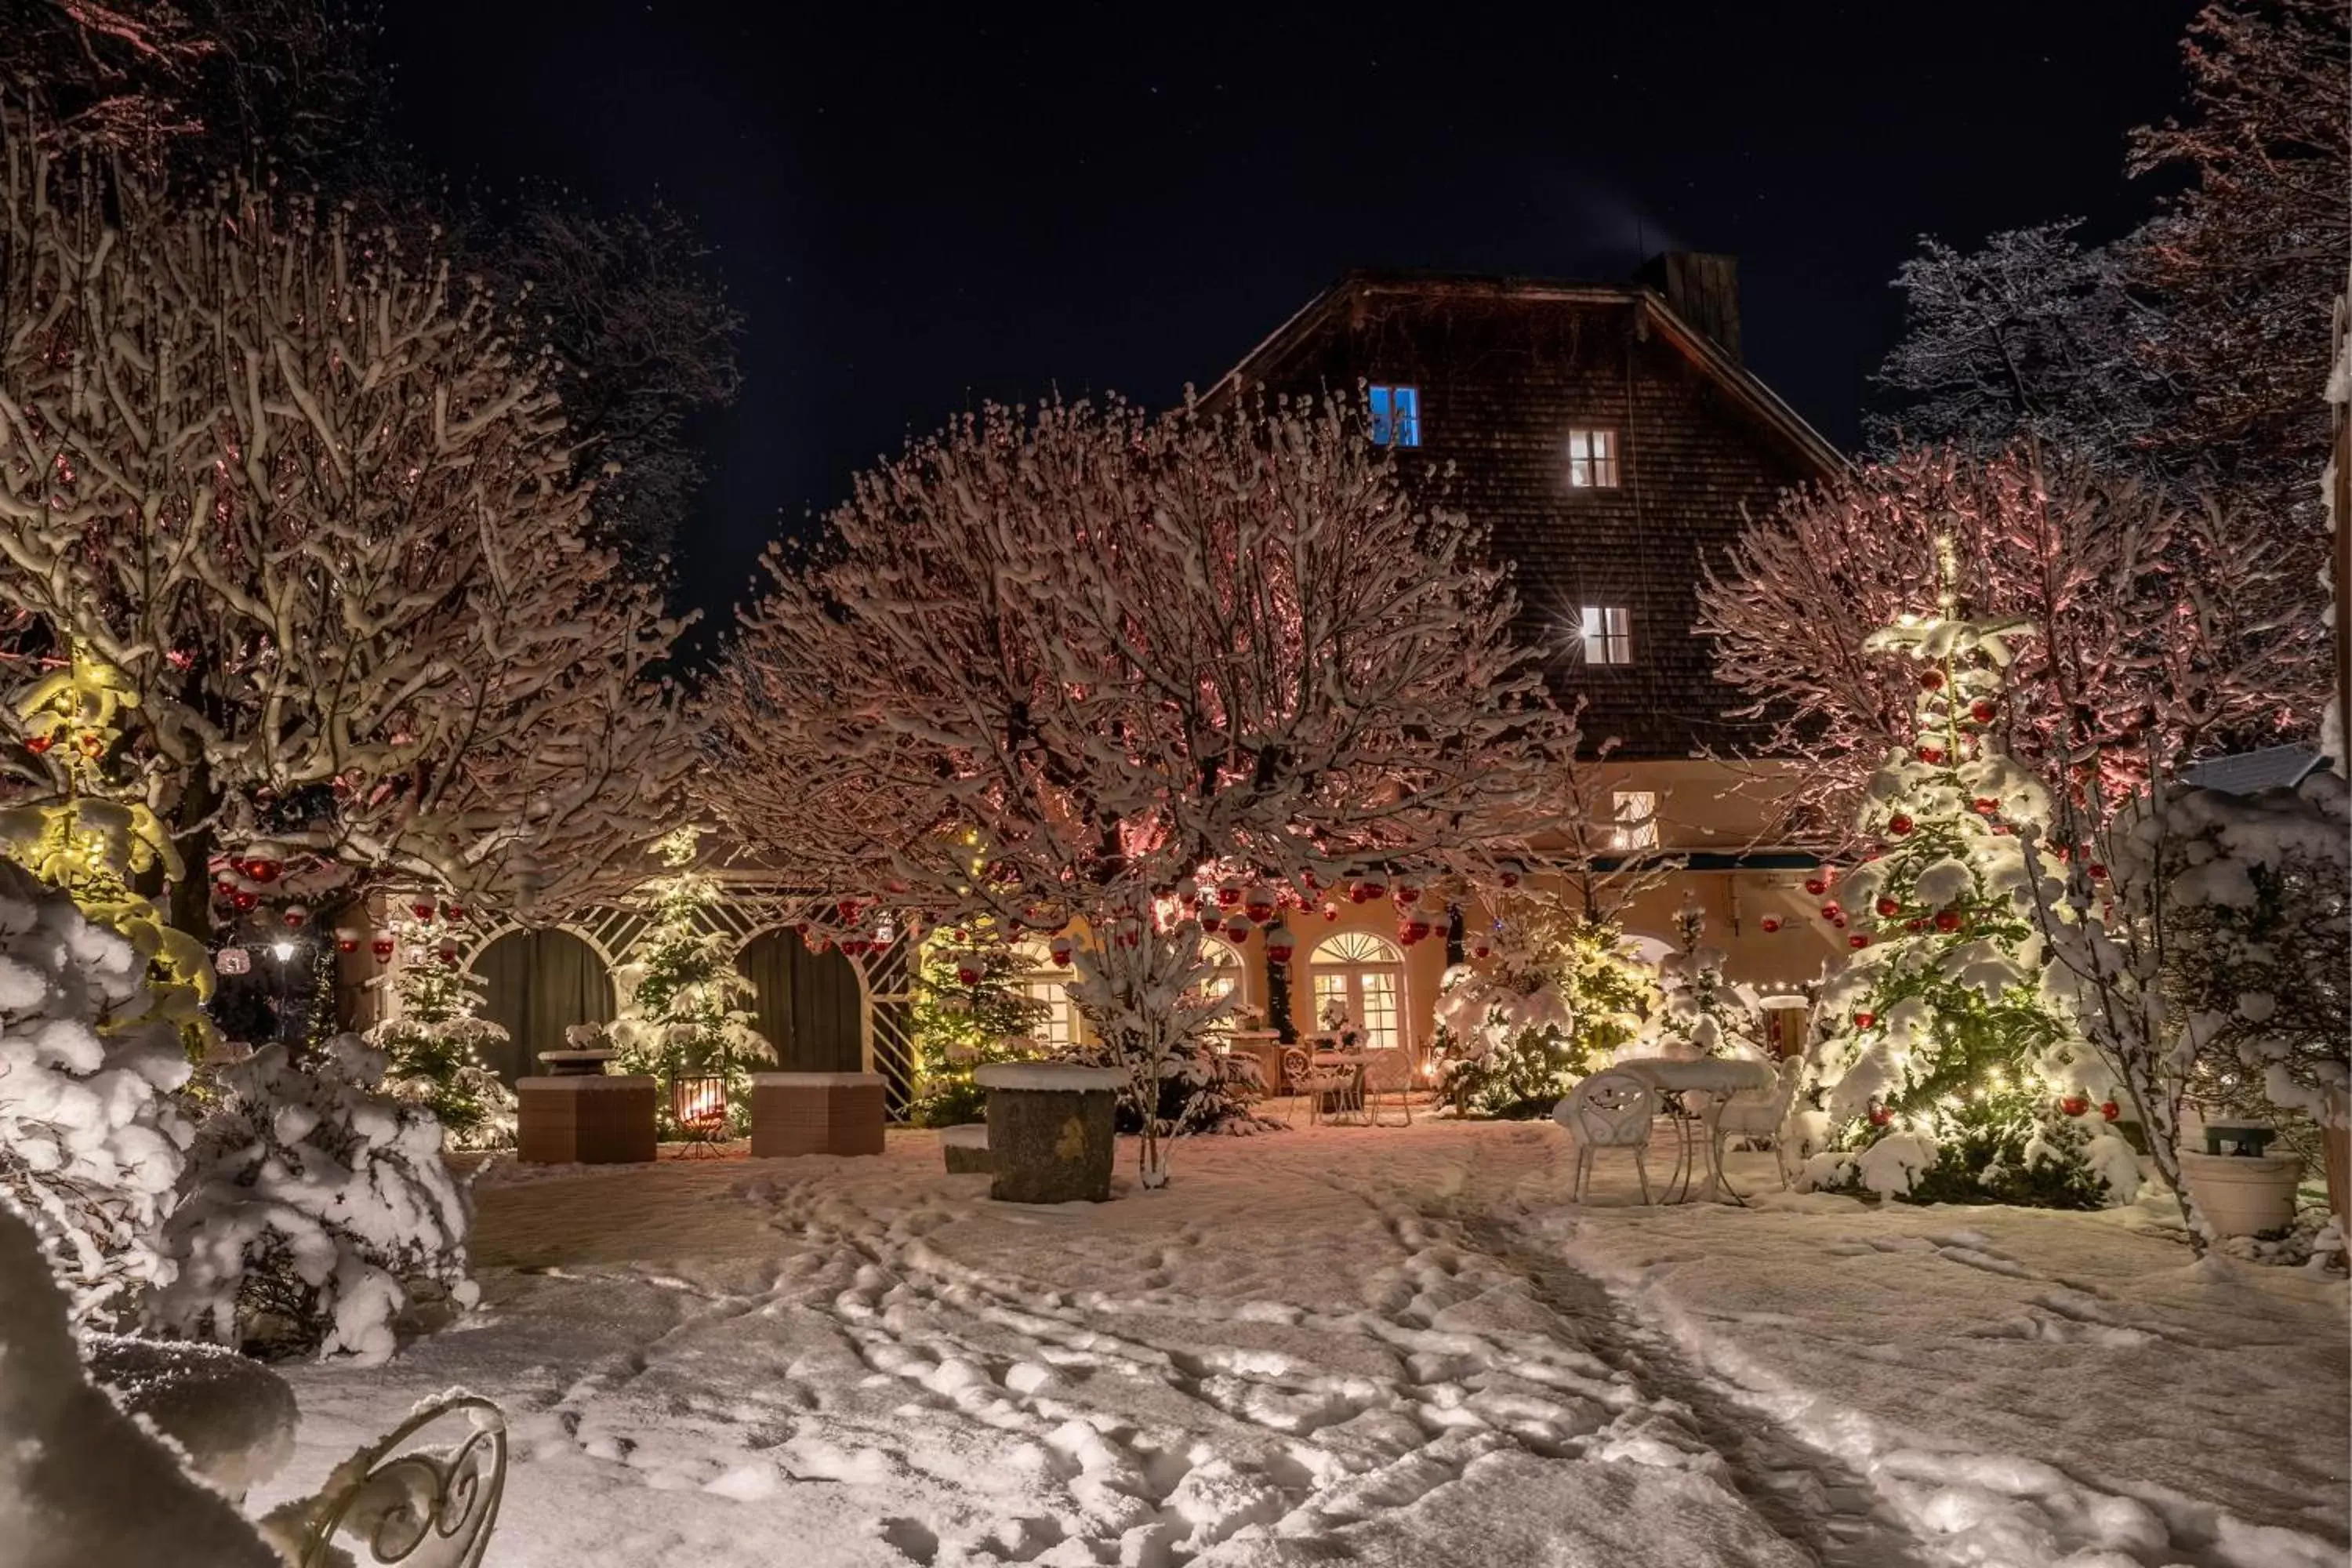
pixel 1348 1344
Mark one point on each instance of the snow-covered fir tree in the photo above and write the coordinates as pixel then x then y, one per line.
pixel 1946 1072
pixel 99 1005
pixel 970 1008
pixel 1549 996
pixel 679 992
pixel 433 1041
pixel 1699 1013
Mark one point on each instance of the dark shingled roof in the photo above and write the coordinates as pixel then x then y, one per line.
pixel 1505 367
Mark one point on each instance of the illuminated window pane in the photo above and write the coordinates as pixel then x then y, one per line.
pixel 1396 415
pixel 1365 974
pixel 1637 820
pixel 1592 459
pixel 1608 633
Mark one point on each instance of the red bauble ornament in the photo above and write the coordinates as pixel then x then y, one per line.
pixel 1229 894
pixel 1258 904
pixel 382 947
pixel 2075 1104
pixel 1932 679
pixel 91 743
pixel 36 744
pixel 1237 929
pixel 969 971
pixel 346 943
pixel 1931 755
pixel 294 915
pixel 1331 910
pixel 243 899
pixel 1898 825
pixel 1279 944
pixel 454 911
pixel 2098 872
pixel 1406 892
pixel 1481 948
pixel 1915 925
pixel 1865 1019
pixel 1817 886
pixel 1981 711
pixel 2110 1111
pixel 1985 806
pixel 1948 921
pixel 261 869
pixel 1880 1116
pixel 449 956
pixel 1858 940
pixel 1509 877
pixel 1832 911
pixel 1770 925
pixel 1888 908
pixel 1061 949
pixel 422 909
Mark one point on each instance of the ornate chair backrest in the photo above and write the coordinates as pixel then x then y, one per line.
pixel 1610 1108
pixel 1295 1063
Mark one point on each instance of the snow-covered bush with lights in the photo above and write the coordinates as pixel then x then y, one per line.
pixel 1700 1014
pixel 315 1209
pixel 679 992
pixel 970 1009
pixel 433 1042
pixel 1946 1072
pixel 1553 999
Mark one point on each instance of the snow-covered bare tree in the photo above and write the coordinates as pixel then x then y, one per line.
pixel 1061 664
pixel 2167 630
pixel 309 499
pixel 2032 334
pixel 2246 261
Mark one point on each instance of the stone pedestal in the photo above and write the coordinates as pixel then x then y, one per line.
pixel 584 1119
pixel 816 1113
pixel 966 1149
pixel 1050 1131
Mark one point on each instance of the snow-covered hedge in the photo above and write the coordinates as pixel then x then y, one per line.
pixel 90 1143
pixel 314 1202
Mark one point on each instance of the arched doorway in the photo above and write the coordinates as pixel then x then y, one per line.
pixel 539 983
pixel 810 1006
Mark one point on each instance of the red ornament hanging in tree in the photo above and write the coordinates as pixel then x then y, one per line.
pixel 1481 948
pixel 381 946
pixel 1770 925
pixel 1411 929
pixel 1331 910
pixel 2075 1104
pixel 1061 947
pixel 1229 894
pixel 1865 1019
pixel 1817 886
pixel 2109 1110
pixel 1932 678
pixel 2098 872
pixel 36 744
pixel 1858 940
pixel 1407 892
pixel 1237 929
pixel 1948 921
pixel 1880 1116
pixel 1258 904
pixel 1888 908
pixel 243 899
pixel 294 915
pixel 1898 825
pixel 1279 944
pixel 347 941
pixel 261 869
pixel 454 911
pixel 1985 806
pixel 422 909
pixel 1982 711
pixel 1931 755
pixel 970 970
pixel 1832 911
pixel 1508 875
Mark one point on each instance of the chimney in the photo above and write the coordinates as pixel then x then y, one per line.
pixel 1703 289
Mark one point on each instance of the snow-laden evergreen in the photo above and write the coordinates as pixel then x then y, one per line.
pixel 1946 1072
pixel 315 1207
pixel 1701 1013
pixel 679 992
pixel 433 1042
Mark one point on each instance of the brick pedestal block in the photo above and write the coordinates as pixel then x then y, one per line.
pixel 584 1119
pixel 1050 1131
pixel 966 1149
pixel 816 1113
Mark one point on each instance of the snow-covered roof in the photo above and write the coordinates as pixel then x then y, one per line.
pixel 2250 772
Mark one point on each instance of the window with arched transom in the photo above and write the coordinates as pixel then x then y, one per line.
pixel 1365 975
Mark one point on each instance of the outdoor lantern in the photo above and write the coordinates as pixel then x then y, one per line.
pixel 1258 904
pixel 347 940
pixel 382 947
pixel 1061 947
pixel 1278 944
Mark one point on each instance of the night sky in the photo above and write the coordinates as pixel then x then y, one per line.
pixel 916 210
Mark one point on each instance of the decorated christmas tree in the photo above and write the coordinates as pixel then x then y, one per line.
pixel 1548 996
pixel 679 1016
pixel 433 1042
pixel 1701 1014
pixel 1945 1073
pixel 970 1008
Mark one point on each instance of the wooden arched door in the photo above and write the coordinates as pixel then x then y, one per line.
pixel 538 984
pixel 810 1006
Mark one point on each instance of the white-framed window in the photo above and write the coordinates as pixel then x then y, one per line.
pixel 1042 981
pixel 1592 459
pixel 1366 974
pixel 1608 631
pixel 1226 977
pixel 1396 415
pixel 1637 819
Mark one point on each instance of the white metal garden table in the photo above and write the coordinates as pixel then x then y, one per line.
pixel 1714 1080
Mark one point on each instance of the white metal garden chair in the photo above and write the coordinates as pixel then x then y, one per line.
pixel 1754 1113
pixel 1608 1110
pixel 1315 1084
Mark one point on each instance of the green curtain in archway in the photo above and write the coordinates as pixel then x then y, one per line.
pixel 539 983
pixel 810 1006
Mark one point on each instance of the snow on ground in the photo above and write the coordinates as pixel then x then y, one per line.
pixel 1391 1346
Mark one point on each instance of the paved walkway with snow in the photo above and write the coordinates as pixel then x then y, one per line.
pixel 1389 1346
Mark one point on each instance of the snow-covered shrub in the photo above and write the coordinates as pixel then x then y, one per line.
pixel 1145 997
pixel 312 1204
pixel 1702 1015
pixel 1558 1000
pixel 433 1043
pixel 90 1138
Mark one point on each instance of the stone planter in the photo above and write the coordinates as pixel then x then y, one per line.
pixel 2240 1195
pixel 1050 1132
pixel 816 1113
pixel 966 1149
pixel 586 1118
